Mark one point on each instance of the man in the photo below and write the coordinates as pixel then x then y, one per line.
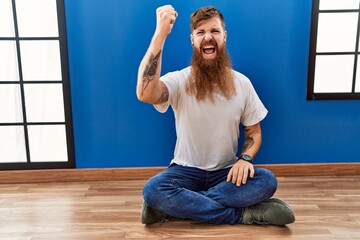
pixel 205 180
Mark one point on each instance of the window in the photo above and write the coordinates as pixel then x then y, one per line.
pixel 334 67
pixel 35 114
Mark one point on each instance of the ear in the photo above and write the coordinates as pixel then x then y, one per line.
pixel 225 35
pixel 192 39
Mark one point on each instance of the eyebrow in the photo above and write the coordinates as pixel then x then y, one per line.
pixel 203 29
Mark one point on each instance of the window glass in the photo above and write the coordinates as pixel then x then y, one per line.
pixel 12 144
pixel 337 32
pixel 34 86
pixel 47 143
pixel 8 61
pixel 41 60
pixel 10 103
pixel 338 4
pixel 44 102
pixel 37 18
pixel 6 19
pixel 334 59
pixel 333 73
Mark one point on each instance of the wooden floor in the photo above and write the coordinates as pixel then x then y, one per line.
pixel 325 207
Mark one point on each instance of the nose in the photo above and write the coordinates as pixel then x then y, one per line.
pixel 208 36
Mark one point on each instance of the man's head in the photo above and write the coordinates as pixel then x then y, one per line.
pixel 211 65
pixel 208 33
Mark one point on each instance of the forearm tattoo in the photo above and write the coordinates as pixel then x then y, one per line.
pixel 150 71
pixel 249 142
pixel 164 95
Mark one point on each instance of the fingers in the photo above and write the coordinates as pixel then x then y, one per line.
pixel 244 177
pixel 252 172
pixel 233 176
pixel 229 176
pixel 166 16
pixel 240 173
pixel 167 13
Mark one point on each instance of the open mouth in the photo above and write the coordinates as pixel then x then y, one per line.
pixel 209 49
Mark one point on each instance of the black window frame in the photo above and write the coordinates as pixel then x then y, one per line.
pixel 70 163
pixel 311 95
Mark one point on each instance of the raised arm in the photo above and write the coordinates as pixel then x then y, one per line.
pixel 149 89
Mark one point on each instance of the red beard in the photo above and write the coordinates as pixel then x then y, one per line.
pixel 209 76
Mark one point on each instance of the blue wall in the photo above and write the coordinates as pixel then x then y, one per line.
pixel 268 41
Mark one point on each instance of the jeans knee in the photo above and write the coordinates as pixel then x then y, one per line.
pixel 157 192
pixel 273 184
pixel 269 179
pixel 150 191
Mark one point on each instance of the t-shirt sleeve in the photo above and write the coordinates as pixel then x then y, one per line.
pixel 255 110
pixel 171 80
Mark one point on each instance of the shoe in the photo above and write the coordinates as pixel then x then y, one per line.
pixel 272 211
pixel 150 215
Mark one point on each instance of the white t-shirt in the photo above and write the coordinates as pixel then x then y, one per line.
pixel 208 132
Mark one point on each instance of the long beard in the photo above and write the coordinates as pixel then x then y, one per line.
pixel 210 76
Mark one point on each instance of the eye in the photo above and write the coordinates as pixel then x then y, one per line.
pixel 215 31
pixel 199 33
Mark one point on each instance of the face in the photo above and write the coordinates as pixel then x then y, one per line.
pixel 208 37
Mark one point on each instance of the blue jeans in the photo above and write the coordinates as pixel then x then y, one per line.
pixel 192 193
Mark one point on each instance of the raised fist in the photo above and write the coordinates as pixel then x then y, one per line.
pixel 165 19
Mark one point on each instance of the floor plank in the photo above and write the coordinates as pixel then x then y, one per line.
pixel 326 207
